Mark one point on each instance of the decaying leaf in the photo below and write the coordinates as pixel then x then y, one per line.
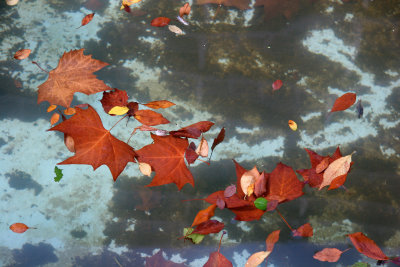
pixel 337 168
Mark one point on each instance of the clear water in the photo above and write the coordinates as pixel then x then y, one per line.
pixel 221 70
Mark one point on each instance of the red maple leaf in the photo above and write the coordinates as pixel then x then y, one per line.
pixel 93 144
pixel 166 157
pixel 74 73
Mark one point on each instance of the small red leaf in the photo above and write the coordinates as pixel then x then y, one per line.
pixel 191 154
pixel 344 102
pixel 328 254
pixel 160 22
pixel 87 19
pixel 277 85
pixel 367 246
pixel 338 182
pixel 272 239
pixel 219 139
pixel 208 227
pixel 305 230
pixel 204 215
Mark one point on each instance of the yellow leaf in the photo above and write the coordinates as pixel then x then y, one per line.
pixel 117 110
pixel 128 3
pixel 292 125
pixel 145 168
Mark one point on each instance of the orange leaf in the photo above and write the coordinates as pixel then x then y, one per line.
pixel 150 118
pixel 338 182
pixel 54 118
pixel 86 19
pixel 367 246
pixel 74 73
pixel 184 10
pixel 257 258
pixel 160 22
pixel 19 228
pixel 305 230
pixel 322 165
pixel 51 108
pixel 272 239
pixel 22 54
pixel 166 157
pixel 159 104
pixel 69 111
pixel 344 102
pixel 328 254
pixel 95 145
pixel 204 215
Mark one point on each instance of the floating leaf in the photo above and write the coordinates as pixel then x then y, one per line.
pixel 328 254
pixel 69 111
pixel 230 191
pixel 337 168
pixel 292 125
pixel 145 168
pixel 204 215
pixel 22 54
pixel 202 149
pixel 160 22
pixel 277 85
pixel 261 203
pixel 272 239
pixel 118 110
pixel 196 238
pixel 194 130
pixel 150 118
pixel 338 182
pixel 175 29
pixel 54 118
pixel 219 139
pixel 159 104
pixel 209 227
pixel 322 165
pixel 87 19
pixel 128 3
pixel 20 228
pixel 51 108
pixel 257 258
pixel 248 180
pixel 367 246
pixel 184 10
pixel 344 102
pixel 58 173
pixel 305 230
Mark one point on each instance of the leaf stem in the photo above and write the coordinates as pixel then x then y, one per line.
pixel 118 122
pixel 220 240
pixel 280 214
pixel 34 62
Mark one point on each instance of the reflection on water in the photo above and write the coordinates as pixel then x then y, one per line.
pixel 221 70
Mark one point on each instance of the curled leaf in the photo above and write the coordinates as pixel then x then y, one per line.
pixel 202 149
pixel 22 54
pixel 184 10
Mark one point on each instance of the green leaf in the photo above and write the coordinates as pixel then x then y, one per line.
pixel 261 203
pixel 58 173
pixel 196 238
pixel 360 264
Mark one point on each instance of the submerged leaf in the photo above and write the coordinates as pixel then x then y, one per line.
pixel 160 22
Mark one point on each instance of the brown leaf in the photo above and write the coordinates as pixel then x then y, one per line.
pixel 74 73
pixel 114 98
pixel 367 246
pixel 159 104
pixel 191 154
pixel 150 118
pixel 337 182
pixel 260 185
pixel 344 102
pixel 22 54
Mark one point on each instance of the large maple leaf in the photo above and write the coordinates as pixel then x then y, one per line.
pixel 95 145
pixel 166 157
pixel 74 73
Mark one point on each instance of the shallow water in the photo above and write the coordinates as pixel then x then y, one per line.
pixel 221 70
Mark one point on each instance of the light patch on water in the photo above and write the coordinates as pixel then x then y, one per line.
pixel 117 249
pixel 310 116
pixel 392 73
pixel 244 226
pixel 329 9
pixel 131 226
pixel 177 258
pixel 386 124
pixel 387 151
pixel 348 17
pixel 199 262
pixel 342 130
pixel 242 130
pixel 240 259
pixel 74 198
